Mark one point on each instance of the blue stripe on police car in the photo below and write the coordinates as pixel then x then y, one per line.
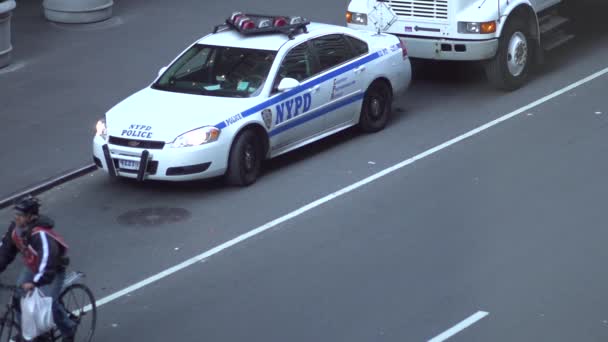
pixel 303 87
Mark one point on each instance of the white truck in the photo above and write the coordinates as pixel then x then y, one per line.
pixel 508 36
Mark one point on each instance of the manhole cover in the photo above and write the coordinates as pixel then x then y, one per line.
pixel 153 216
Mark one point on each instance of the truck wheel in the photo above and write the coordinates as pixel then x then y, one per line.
pixel 376 107
pixel 509 69
pixel 245 161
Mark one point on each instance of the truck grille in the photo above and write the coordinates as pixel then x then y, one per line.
pixel 424 9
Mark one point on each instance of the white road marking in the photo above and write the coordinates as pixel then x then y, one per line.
pixel 459 327
pixel 338 193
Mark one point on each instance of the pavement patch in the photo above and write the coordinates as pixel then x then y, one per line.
pixel 153 216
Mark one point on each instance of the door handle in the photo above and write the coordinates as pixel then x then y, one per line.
pixel 360 69
pixel 314 89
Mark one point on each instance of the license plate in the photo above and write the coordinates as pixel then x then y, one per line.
pixel 128 164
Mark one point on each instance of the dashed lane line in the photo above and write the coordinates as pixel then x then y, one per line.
pixel 459 327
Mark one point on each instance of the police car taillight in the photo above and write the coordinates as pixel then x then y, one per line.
pixel 403 48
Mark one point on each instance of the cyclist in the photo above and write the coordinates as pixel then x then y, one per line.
pixel 44 255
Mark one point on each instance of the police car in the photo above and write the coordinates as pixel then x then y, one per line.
pixel 256 87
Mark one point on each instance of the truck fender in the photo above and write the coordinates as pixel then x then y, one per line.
pixel 520 8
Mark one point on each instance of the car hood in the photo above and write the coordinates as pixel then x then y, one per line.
pixel 162 116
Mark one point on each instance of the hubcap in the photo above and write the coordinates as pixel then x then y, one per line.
pixel 517 54
pixel 249 157
pixel 375 108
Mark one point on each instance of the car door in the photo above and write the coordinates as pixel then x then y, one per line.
pixel 294 116
pixel 343 80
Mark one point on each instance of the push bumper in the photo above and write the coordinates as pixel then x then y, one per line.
pixel 172 164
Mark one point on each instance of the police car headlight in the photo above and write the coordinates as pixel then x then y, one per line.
pixel 356 18
pixel 197 137
pixel 101 130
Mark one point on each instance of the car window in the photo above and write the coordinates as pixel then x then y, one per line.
pixel 298 63
pixel 332 50
pixel 218 71
pixel 360 47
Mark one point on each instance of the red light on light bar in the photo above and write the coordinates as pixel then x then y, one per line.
pixel 280 21
pixel 247 24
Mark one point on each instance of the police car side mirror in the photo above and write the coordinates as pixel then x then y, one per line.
pixel 288 83
pixel 162 70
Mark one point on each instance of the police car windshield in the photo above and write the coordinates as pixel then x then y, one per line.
pixel 218 71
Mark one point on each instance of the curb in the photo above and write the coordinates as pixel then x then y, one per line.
pixel 47 185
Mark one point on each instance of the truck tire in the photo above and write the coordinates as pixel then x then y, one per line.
pixel 509 69
pixel 245 161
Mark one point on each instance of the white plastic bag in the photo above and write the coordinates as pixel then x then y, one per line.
pixel 36 314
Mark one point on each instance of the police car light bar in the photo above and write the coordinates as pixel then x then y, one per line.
pixel 251 24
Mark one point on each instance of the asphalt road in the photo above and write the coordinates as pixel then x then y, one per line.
pixel 508 221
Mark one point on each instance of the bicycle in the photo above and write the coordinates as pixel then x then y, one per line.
pixel 79 311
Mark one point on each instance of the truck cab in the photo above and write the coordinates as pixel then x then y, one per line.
pixel 507 36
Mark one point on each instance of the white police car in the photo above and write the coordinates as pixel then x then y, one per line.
pixel 255 88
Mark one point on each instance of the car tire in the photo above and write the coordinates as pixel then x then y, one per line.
pixel 509 69
pixel 376 108
pixel 245 161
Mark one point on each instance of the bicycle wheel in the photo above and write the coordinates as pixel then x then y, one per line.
pixel 8 326
pixel 79 301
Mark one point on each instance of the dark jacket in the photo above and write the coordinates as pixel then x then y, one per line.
pixel 43 250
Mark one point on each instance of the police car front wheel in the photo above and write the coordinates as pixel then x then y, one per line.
pixel 376 107
pixel 245 160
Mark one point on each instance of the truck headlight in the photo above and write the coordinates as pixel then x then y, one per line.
pixel 356 18
pixel 100 129
pixel 476 27
pixel 197 137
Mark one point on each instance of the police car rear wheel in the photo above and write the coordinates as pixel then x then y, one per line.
pixel 376 108
pixel 245 160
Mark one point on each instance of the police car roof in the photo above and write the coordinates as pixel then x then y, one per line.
pixel 267 41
